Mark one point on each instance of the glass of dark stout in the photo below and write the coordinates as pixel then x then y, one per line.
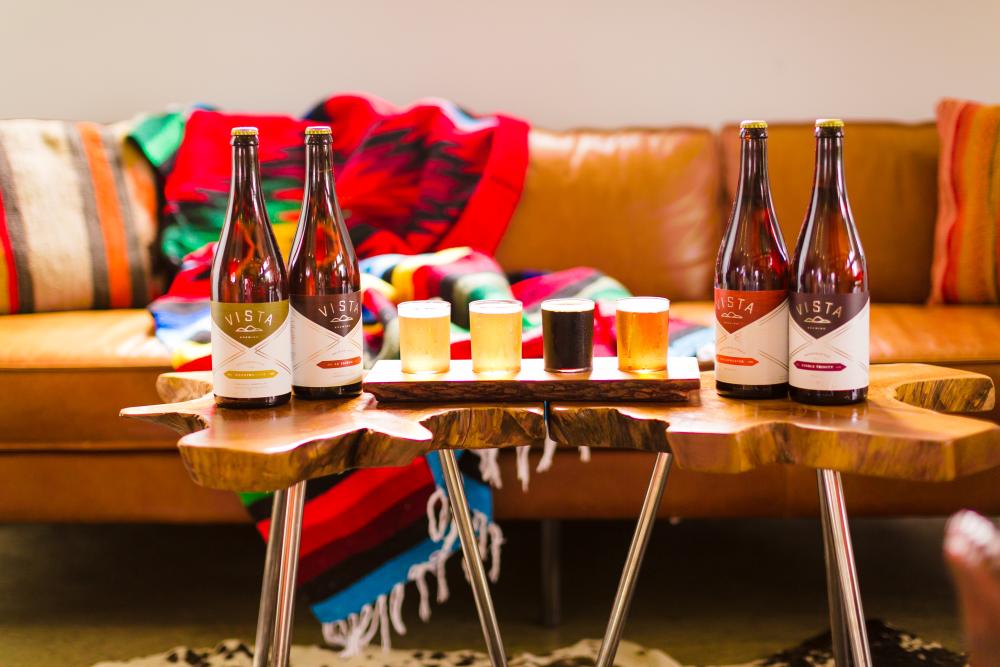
pixel 568 335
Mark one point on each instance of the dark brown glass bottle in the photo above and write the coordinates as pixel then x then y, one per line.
pixel 251 346
pixel 751 284
pixel 828 328
pixel 325 286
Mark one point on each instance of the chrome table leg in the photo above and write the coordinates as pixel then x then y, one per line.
pixel 269 587
pixel 847 617
pixel 290 539
pixel 277 595
pixel 636 551
pixel 473 561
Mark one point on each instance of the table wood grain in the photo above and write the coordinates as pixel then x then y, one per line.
pixel 900 432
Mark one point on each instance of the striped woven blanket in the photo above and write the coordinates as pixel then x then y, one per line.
pixel 427 192
pixel 367 533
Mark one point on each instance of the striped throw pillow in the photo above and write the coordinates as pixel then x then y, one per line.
pixel 967 235
pixel 77 217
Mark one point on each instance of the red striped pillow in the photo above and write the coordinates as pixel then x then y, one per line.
pixel 966 265
pixel 77 218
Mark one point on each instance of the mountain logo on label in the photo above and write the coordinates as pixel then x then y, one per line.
pixel 249 323
pixel 819 314
pixel 338 313
pixel 735 309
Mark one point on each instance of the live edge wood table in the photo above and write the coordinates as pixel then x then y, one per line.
pixel 900 432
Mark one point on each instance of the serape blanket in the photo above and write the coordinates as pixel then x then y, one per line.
pixel 410 180
pixel 368 532
pixel 425 216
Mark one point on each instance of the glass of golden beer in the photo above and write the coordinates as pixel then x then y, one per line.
pixel 642 323
pixel 496 335
pixel 425 336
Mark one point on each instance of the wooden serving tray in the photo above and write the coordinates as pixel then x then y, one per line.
pixel 605 383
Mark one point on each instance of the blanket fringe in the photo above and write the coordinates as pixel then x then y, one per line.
pixel 356 632
pixel 385 615
pixel 489 467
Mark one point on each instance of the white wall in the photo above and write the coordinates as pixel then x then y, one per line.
pixel 556 63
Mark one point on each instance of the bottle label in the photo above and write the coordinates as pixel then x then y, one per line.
pixel 828 341
pixel 251 349
pixel 327 342
pixel 751 336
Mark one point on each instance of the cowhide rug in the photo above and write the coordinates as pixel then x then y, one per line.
pixel 890 647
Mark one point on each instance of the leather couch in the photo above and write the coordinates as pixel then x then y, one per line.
pixel 645 205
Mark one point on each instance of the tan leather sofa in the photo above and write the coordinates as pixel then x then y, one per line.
pixel 647 206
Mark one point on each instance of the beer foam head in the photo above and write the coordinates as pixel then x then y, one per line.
pixel 427 308
pixel 643 304
pixel 495 306
pixel 568 305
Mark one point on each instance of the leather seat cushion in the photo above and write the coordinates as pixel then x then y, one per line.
pixel 65 376
pixel 81 339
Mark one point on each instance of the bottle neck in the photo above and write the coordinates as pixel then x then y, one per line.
pixel 319 172
pixel 754 188
pixel 245 184
pixel 828 179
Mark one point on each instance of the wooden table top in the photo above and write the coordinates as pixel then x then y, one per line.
pixel 900 432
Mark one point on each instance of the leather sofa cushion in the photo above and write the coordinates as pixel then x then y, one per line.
pixel 640 205
pixel 891 171
pixel 104 339
pixel 65 376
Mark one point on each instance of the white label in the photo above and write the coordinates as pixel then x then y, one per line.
pixel 755 354
pixel 835 361
pixel 256 370
pixel 327 340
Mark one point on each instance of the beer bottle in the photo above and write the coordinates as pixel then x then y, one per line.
pixel 828 327
pixel 325 286
pixel 251 350
pixel 751 284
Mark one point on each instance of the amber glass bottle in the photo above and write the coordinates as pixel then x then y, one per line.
pixel 251 346
pixel 828 327
pixel 751 284
pixel 325 286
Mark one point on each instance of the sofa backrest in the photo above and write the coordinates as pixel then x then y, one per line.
pixel 891 173
pixel 642 205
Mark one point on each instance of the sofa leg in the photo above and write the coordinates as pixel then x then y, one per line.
pixel 551 574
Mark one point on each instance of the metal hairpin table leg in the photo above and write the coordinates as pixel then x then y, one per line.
pixel 847 617
pixel 470 551
pixel 277 595
pixel 269 587
pixel 636 551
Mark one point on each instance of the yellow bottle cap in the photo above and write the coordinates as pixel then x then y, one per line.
pixel 829 122
pixel 318 129
pixel 244 132
pixel 753 124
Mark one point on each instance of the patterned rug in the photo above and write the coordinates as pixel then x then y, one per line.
pixel 890 647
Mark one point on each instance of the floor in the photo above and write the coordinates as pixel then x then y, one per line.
pixel 710 592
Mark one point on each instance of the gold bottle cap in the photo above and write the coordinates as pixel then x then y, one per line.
pixel 753 124
pixel 829 122
pixel 318 129
pixel 244 132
